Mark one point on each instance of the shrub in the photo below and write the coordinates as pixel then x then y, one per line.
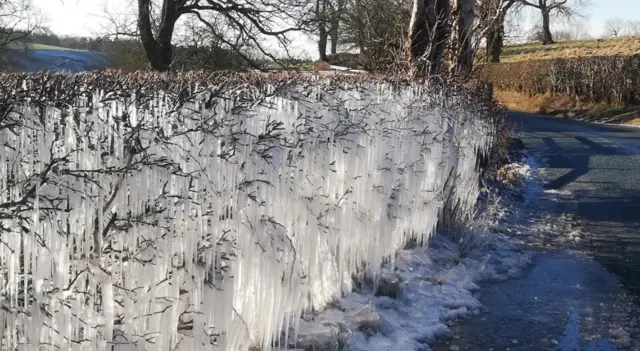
pixel 180 211
pixel 611 79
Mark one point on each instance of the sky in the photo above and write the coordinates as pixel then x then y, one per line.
pixel 78 17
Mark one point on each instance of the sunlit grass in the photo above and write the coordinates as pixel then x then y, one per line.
pixel 563 105
pixel 536 51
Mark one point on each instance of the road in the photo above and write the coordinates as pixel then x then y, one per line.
pixel 579 294
pixel 600 166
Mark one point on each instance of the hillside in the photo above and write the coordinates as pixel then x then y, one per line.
pixel 38 57
pixel 563 104
pixel 577 48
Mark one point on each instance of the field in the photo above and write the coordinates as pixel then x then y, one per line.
pixel 577 48
pixel 563 105
pixel 36 46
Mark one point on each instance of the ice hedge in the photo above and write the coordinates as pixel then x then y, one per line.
pixel 181 212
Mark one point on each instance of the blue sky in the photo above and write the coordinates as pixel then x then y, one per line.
pixel 602 10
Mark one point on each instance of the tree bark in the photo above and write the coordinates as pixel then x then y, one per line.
pixel 333 33
pixel 322 29
pixel 428 34
pixel 359 27
pixel 335 25
pixel 495 38
pixel 495 16
pixel 460 51
pixel 322 44
pixel 157 47
pixel 547 38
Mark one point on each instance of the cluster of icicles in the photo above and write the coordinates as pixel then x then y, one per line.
pixel 210 250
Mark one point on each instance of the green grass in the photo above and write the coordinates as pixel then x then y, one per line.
pixel 624 46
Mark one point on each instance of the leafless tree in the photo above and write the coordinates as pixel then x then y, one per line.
pixel 613 27
pixel 235 25
pixel 337 8
pixel 557 8
pixel 617 27
pixel 460 60
pixel 321 13
pixel 18 20
pixel 633 27
pixel 377 30
pixel 458 27
pixel 330 15
pixel 429 30
pixel 579 30
pixel 492 18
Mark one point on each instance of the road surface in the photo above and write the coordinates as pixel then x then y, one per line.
pixel 600 166
pixel 583 296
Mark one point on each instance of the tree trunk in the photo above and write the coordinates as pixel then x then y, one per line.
pixel 359 27
pixel 495 39
pixel 428 32
pixel 333 32
pixel 547 38
pixel 322 29
pixel 335 25
pixel 460 53
pixel 495 35
pixel 158 48
pixel 322 44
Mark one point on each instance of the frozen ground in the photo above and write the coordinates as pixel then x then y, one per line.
pixel 427 289
pixel 565 300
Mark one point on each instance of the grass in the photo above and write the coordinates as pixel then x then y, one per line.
pixel 563 105
pixel 35 46
pixel 536 51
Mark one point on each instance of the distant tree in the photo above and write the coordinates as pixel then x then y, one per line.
pixel 576 30
pixel 19 19
pixel 535 34
pixel 614 27
pixel 579 30
pixel 125 54
pixel 322 20
pixel 557 8
pixel 377 30
pixel 248 28
pixel 633 27
pixel 338 11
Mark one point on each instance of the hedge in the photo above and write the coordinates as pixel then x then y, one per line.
pixel 193 211
pixel 611 79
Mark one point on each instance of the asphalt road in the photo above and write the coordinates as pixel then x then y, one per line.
pixel 600 166
pixel 578 295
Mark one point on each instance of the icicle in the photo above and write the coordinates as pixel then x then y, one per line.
pixel 247 240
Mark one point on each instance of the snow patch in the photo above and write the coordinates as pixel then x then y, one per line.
pixel 438 287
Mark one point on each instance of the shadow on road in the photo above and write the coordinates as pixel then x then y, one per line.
pixel 600 166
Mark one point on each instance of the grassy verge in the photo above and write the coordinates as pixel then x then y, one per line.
pixel 563 105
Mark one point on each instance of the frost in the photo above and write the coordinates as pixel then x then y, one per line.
pixel 220 220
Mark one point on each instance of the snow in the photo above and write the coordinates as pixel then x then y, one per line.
pixel 438 287
pixel 237 219
pixel 436 291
